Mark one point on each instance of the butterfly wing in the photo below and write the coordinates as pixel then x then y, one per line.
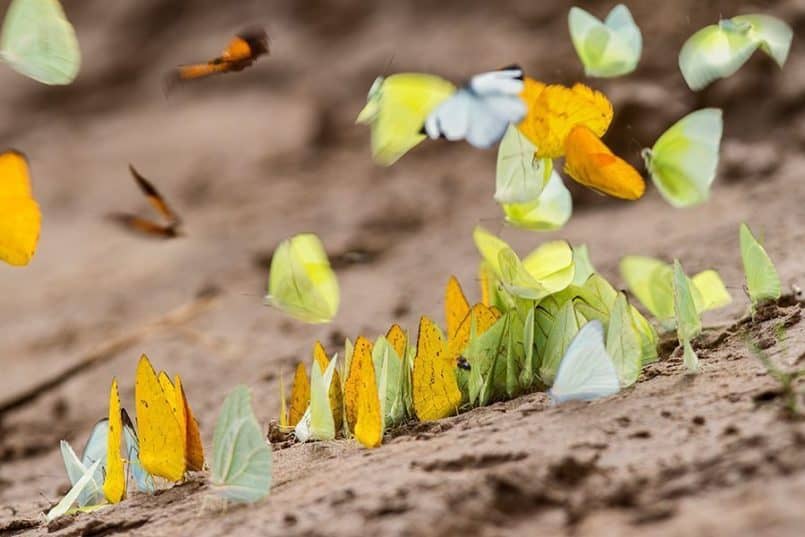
pixel 773 34
pixel 142 479
pixel 20 218
pixel 549 211
pixel 436 393
pixel 38 41
pixel 762 280
pixel 72 495
pixel 520 176
pixel 241 465
pixel 683 162
pixel 114 483
pixel 586 371
pixel 713 53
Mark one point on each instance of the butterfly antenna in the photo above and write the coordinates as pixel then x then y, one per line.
pixel 387 69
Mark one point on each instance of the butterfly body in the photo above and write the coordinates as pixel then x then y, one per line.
pixel 241 52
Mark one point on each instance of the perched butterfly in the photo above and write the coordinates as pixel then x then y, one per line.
pixel 317 423
pixel 688 319
pixel 38 41
pixel 301 282
pixel 94 451
pixel 300 396
pixel 146 227
pixel 586 371
pixel 683 162
pixel 241 463
pixel 361 398
pixel 397 107
pixel 240 53
pixel 481 111
pixel 607 49
pixel 20 219
pixel 624 342
pixel 720 50
pixel 584 266
pixel 547 270
pixel 436 393
pixel 651 281
pixel 114 482
pixel 762 280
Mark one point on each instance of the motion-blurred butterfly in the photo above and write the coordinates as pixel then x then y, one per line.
pixel 239 54
pixel 141 225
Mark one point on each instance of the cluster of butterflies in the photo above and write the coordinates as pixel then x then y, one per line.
pixel 548 321
pixel 164 445
pixel 536 123
pixel 38 41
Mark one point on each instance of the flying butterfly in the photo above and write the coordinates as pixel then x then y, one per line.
pixel 240 53
pixel 144 226
pixel 481 111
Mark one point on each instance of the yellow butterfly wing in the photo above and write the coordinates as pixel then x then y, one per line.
pixel 361 360
pixel 456 306
pixel 335 396
pixel 114 482
pixel 484 318
pixel 398 339
pixel 554 110
pixel 194 449
pixel 162 442
pixel 300 395
pixel 590 162
pixel 436 392
pixel 369 418
pixel 20 219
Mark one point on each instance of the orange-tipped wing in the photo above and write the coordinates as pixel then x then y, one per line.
pixel 590 162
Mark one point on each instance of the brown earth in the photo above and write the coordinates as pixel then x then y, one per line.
pixel 251 158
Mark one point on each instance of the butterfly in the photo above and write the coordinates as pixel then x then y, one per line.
pixel 607 49
pixel 550 210
pixel 651 281
pixel 318 423
pixel 146 227
pixel 114 482
pixel 480 111
pixel 762 281
pixel 38 41
pixel 169 439
pixel 301 282
pixel 241 466
pixel 241 52
pixel 361 398
pixel 546 270
pixel 720 50
pixel 586 371
pixel 435 390
pixel 688 318
pixel 396 109
pixel 94 451
pixel 683 162
pixel 20 218
pixel 300 397
pixel 520 177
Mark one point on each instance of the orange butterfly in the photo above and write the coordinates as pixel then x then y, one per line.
pixel 144 226
pixel 239 54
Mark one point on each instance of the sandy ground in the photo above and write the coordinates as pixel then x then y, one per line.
pixel 252 158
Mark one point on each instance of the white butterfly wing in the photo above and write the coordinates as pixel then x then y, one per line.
pixel 451 119
pixel 505 81
pixel 586 371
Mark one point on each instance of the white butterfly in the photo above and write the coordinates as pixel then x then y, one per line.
pixel 586 371
pixel 482 110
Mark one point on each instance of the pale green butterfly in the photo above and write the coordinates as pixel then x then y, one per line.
pixel 241 465
pixel 520 176
pixel 584 267
pixel 586 371
pixel 565 326
pixel 762 281
pixel 720 50
pixel 549 211
pixel 317 422
pixel 607 49
pixel 624 342
pixel 39 42
pixel 301 282
pixel 94 450
pixel 546 270
pixel 142 479
pixel 86 480
pixel 651 281
pixel 684 159
pixel 688 320
pixel 388 372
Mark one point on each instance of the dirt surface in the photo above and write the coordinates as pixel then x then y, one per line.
pixel 251 158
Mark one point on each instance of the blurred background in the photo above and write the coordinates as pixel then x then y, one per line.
pixel 250 158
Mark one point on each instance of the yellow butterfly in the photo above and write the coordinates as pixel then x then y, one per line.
pixel 170 442
pixel 300 396
pixel 20 219
pixel 436 393
pixel 114 482
pixel 361 399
